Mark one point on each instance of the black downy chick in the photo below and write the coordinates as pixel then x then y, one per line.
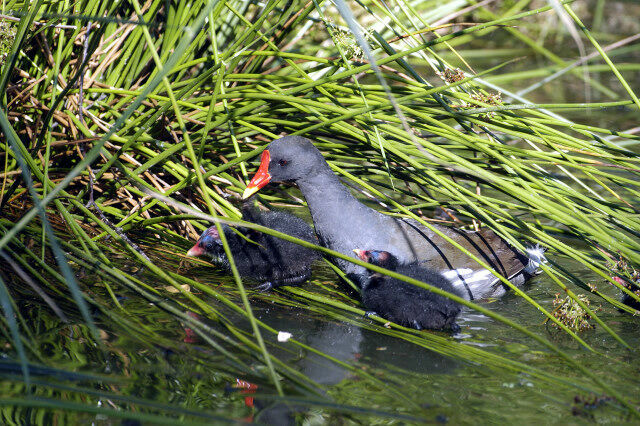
pixel 271 260
pixel 404 303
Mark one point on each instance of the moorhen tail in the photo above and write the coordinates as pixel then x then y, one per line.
pixel 272 260
pixel 403 303
pixel 342 222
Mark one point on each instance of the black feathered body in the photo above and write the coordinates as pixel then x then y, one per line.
pixel 260 256
pixel 408 305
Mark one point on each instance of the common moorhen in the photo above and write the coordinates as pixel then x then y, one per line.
pixel 403 303
pixel 272 260
pixel 342 222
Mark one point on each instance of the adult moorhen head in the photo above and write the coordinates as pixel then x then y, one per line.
pixel 262 257
pixel 342 222
pixel 403 303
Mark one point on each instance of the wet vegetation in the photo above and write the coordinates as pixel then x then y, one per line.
pixel 129 127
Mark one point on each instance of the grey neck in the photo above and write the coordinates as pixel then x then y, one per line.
pixel 341 221
pixel 329 201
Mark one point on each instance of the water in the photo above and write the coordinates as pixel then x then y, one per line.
pixel 413 382
pixel 357 371
pixel 461 391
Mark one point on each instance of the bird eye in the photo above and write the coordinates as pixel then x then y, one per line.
pixel 282 163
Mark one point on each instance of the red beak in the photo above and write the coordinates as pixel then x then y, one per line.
pixel 195 250
pixel 262 176
pixel 362 254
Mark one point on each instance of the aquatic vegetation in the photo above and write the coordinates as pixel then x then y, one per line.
pixel 570 313
pixel 7 35
pixel 127 127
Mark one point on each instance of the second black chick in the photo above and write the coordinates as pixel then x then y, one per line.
pixel 272 260
pixel 403 303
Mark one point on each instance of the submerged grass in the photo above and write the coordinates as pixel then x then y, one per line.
pixel 107 104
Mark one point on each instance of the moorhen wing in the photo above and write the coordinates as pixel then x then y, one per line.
pixel 342 222
pixel 403 303
pixel 262 257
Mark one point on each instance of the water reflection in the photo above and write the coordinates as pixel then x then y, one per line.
pixel 351 344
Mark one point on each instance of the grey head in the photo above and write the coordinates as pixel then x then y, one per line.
pixel 293 158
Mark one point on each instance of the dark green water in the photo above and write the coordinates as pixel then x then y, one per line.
pixel 406 379
pixel 465 392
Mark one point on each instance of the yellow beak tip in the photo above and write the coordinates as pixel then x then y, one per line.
pixel 249 191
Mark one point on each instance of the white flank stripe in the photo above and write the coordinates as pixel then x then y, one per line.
pixel 536 258
pixel 479 281
pixel 456 273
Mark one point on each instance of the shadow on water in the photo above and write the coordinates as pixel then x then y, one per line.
pixel 352 344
